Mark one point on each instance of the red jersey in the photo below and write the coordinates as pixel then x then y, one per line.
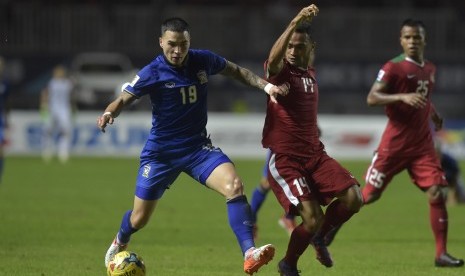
pixel 408 131
pixel 291 124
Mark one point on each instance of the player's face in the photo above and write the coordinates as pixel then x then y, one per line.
pixel 299 50
pixel 59 72
pixel 413 42
pixel 175 46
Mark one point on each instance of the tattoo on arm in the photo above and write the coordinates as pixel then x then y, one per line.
pixel 243 75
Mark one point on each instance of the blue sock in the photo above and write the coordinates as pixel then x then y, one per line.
pixel 258 197
pixel 126 230
pixel 240 220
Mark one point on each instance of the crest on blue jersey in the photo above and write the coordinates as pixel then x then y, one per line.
pixel 202 75
pixel 146 171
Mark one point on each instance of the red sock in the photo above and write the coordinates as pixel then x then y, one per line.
pixel 438 218
pixel 336 214
pixel 299 241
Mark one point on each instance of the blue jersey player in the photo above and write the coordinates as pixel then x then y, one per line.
pixel 451 168
pixel 176 83
pixel 4 92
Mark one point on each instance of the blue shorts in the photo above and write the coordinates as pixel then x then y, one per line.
pixel 156 175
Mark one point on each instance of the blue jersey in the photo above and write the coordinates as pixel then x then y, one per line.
pixel 179 100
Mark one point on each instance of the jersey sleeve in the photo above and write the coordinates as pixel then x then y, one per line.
pixel 387 74
pixel 138 84
pixel 279 78
pixel 215 63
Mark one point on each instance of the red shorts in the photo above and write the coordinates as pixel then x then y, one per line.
pixel 424 170
pixel 295 179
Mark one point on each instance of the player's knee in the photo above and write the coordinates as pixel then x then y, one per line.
pixel 312 218
pixel 354 199
pixel 437 194
pixel 313 223
pixel 233 188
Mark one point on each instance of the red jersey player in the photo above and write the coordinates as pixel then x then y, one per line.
pixel 404 86
pixel 302 176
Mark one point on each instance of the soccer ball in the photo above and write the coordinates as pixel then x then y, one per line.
pixel 126 263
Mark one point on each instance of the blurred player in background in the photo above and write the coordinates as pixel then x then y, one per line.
pixel 450 165
pixel 4 93
pixel 300 173
pixel 57 106
pixel 176 83
pixel 404 86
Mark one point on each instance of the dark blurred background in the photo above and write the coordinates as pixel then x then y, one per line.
pixel 354 38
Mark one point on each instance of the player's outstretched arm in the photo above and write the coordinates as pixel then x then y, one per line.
pixel 378 96
pixel 278 51
pixel 114 109
pixel 247 77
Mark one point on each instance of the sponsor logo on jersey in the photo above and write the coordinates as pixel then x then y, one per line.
pixel 210 147
pixel 380 75
pixel 134 80
pixel 202 75
pixel 410 76
pixel 170 84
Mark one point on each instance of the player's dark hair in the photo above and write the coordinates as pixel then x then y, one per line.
pixel 174 24
pixel 304 28
pixel 413 23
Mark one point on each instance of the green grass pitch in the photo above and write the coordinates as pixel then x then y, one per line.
pixel 59 220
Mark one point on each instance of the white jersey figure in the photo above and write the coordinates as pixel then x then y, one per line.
pixel 56 104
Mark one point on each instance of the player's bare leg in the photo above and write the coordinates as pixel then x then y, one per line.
pixel 132 221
